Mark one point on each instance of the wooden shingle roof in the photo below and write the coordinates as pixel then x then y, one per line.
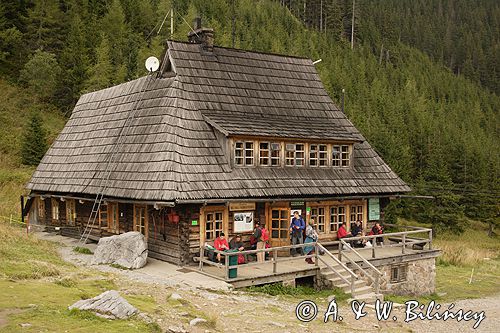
pixel 169 149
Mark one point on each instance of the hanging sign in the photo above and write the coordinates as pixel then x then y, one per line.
pixel 373 209
pixel 243 221
pixel 242 206
pixel 194 222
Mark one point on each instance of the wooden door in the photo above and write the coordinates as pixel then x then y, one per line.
pixel 279 227
pixel 141 219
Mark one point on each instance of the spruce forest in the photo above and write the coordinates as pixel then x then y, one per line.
pixel 421 79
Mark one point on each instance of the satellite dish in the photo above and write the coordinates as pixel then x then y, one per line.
pixel 152 64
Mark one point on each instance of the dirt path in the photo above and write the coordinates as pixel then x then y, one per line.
pixel 237 311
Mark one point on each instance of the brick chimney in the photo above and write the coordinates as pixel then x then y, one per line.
pixel 203 36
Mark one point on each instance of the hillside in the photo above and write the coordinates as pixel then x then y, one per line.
pixel 437 130
pixel 15 107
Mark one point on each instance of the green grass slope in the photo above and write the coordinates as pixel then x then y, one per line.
pixel 15 108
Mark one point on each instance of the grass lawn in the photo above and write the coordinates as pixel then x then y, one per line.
pixel 37 287
pixel 461 254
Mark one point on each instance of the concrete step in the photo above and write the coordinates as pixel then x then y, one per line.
pixel 368 298
pixel 332 275
pixel 347 287
pixel 362 290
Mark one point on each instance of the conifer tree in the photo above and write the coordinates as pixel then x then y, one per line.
pixel 41 74
pixel 74 56
pixel 34 142
pixel 45 25
pixel 101 74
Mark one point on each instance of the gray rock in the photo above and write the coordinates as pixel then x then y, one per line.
pixel 109 305
pixel 197 321
pixel 176 329
pixel 175 296
pixel 129 250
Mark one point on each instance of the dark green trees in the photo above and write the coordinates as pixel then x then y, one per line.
pixel 34 142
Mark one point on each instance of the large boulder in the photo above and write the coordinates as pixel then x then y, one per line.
pixel 109 304
pixel 128 250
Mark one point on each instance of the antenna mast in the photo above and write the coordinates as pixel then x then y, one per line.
pixel 352 25
pixel 171 22
pixel 233 27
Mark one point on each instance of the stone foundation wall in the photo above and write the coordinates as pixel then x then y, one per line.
pixel 420 278
pixel 322 283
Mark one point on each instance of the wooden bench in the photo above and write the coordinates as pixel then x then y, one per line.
pixel 417 243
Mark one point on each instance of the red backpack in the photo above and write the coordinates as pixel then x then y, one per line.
pixel 264 234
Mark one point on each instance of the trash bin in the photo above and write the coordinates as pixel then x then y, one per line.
pixel 233 261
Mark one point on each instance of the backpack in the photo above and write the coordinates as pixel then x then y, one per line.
pixel 264 234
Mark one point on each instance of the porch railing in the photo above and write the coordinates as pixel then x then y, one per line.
pixel 352 276
pixel 375 278
pixel 401 239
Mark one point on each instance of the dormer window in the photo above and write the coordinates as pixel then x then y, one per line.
pixel 318 155
pixel 275 153
pixel 295 154
pixel 340 156
pixel 269 153
pixel 243 153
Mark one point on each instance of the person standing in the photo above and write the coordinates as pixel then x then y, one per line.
pixel 297 229
pixel 311 237
pixel 260 234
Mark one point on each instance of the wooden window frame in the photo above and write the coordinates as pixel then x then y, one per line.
pixel 341 155
pixel 54 205
pixel 42 212
pixel 239 153
pixel 253 153
pixel 139 226
pixel 247 153
pixel 113 217
pixel 225 221
pixel 280 219
pixel 216 222
pixel 292 155
pixel 399 273
pixel 266 159
pixel 323 158
pixel 103 216
pixel 337 221
pixel 356 213
pixel 316 216
pixel 70 211
pixel 313 155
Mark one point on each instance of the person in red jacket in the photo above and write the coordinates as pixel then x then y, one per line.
pixel 221 244
pixel 342 232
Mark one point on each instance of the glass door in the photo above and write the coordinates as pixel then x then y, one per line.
pixel 279 227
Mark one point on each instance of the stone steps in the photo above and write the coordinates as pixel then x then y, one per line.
pixel 362 291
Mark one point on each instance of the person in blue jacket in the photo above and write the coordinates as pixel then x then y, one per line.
pixel 297 232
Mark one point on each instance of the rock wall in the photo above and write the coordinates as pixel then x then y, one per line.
pixel 420 278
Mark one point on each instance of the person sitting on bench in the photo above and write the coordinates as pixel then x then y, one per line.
pixel 237 244
pixel 221 244
pixel 356 231
pixel 377 230
pixel 342 232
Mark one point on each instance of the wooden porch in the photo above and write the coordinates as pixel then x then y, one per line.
pixel 412 244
